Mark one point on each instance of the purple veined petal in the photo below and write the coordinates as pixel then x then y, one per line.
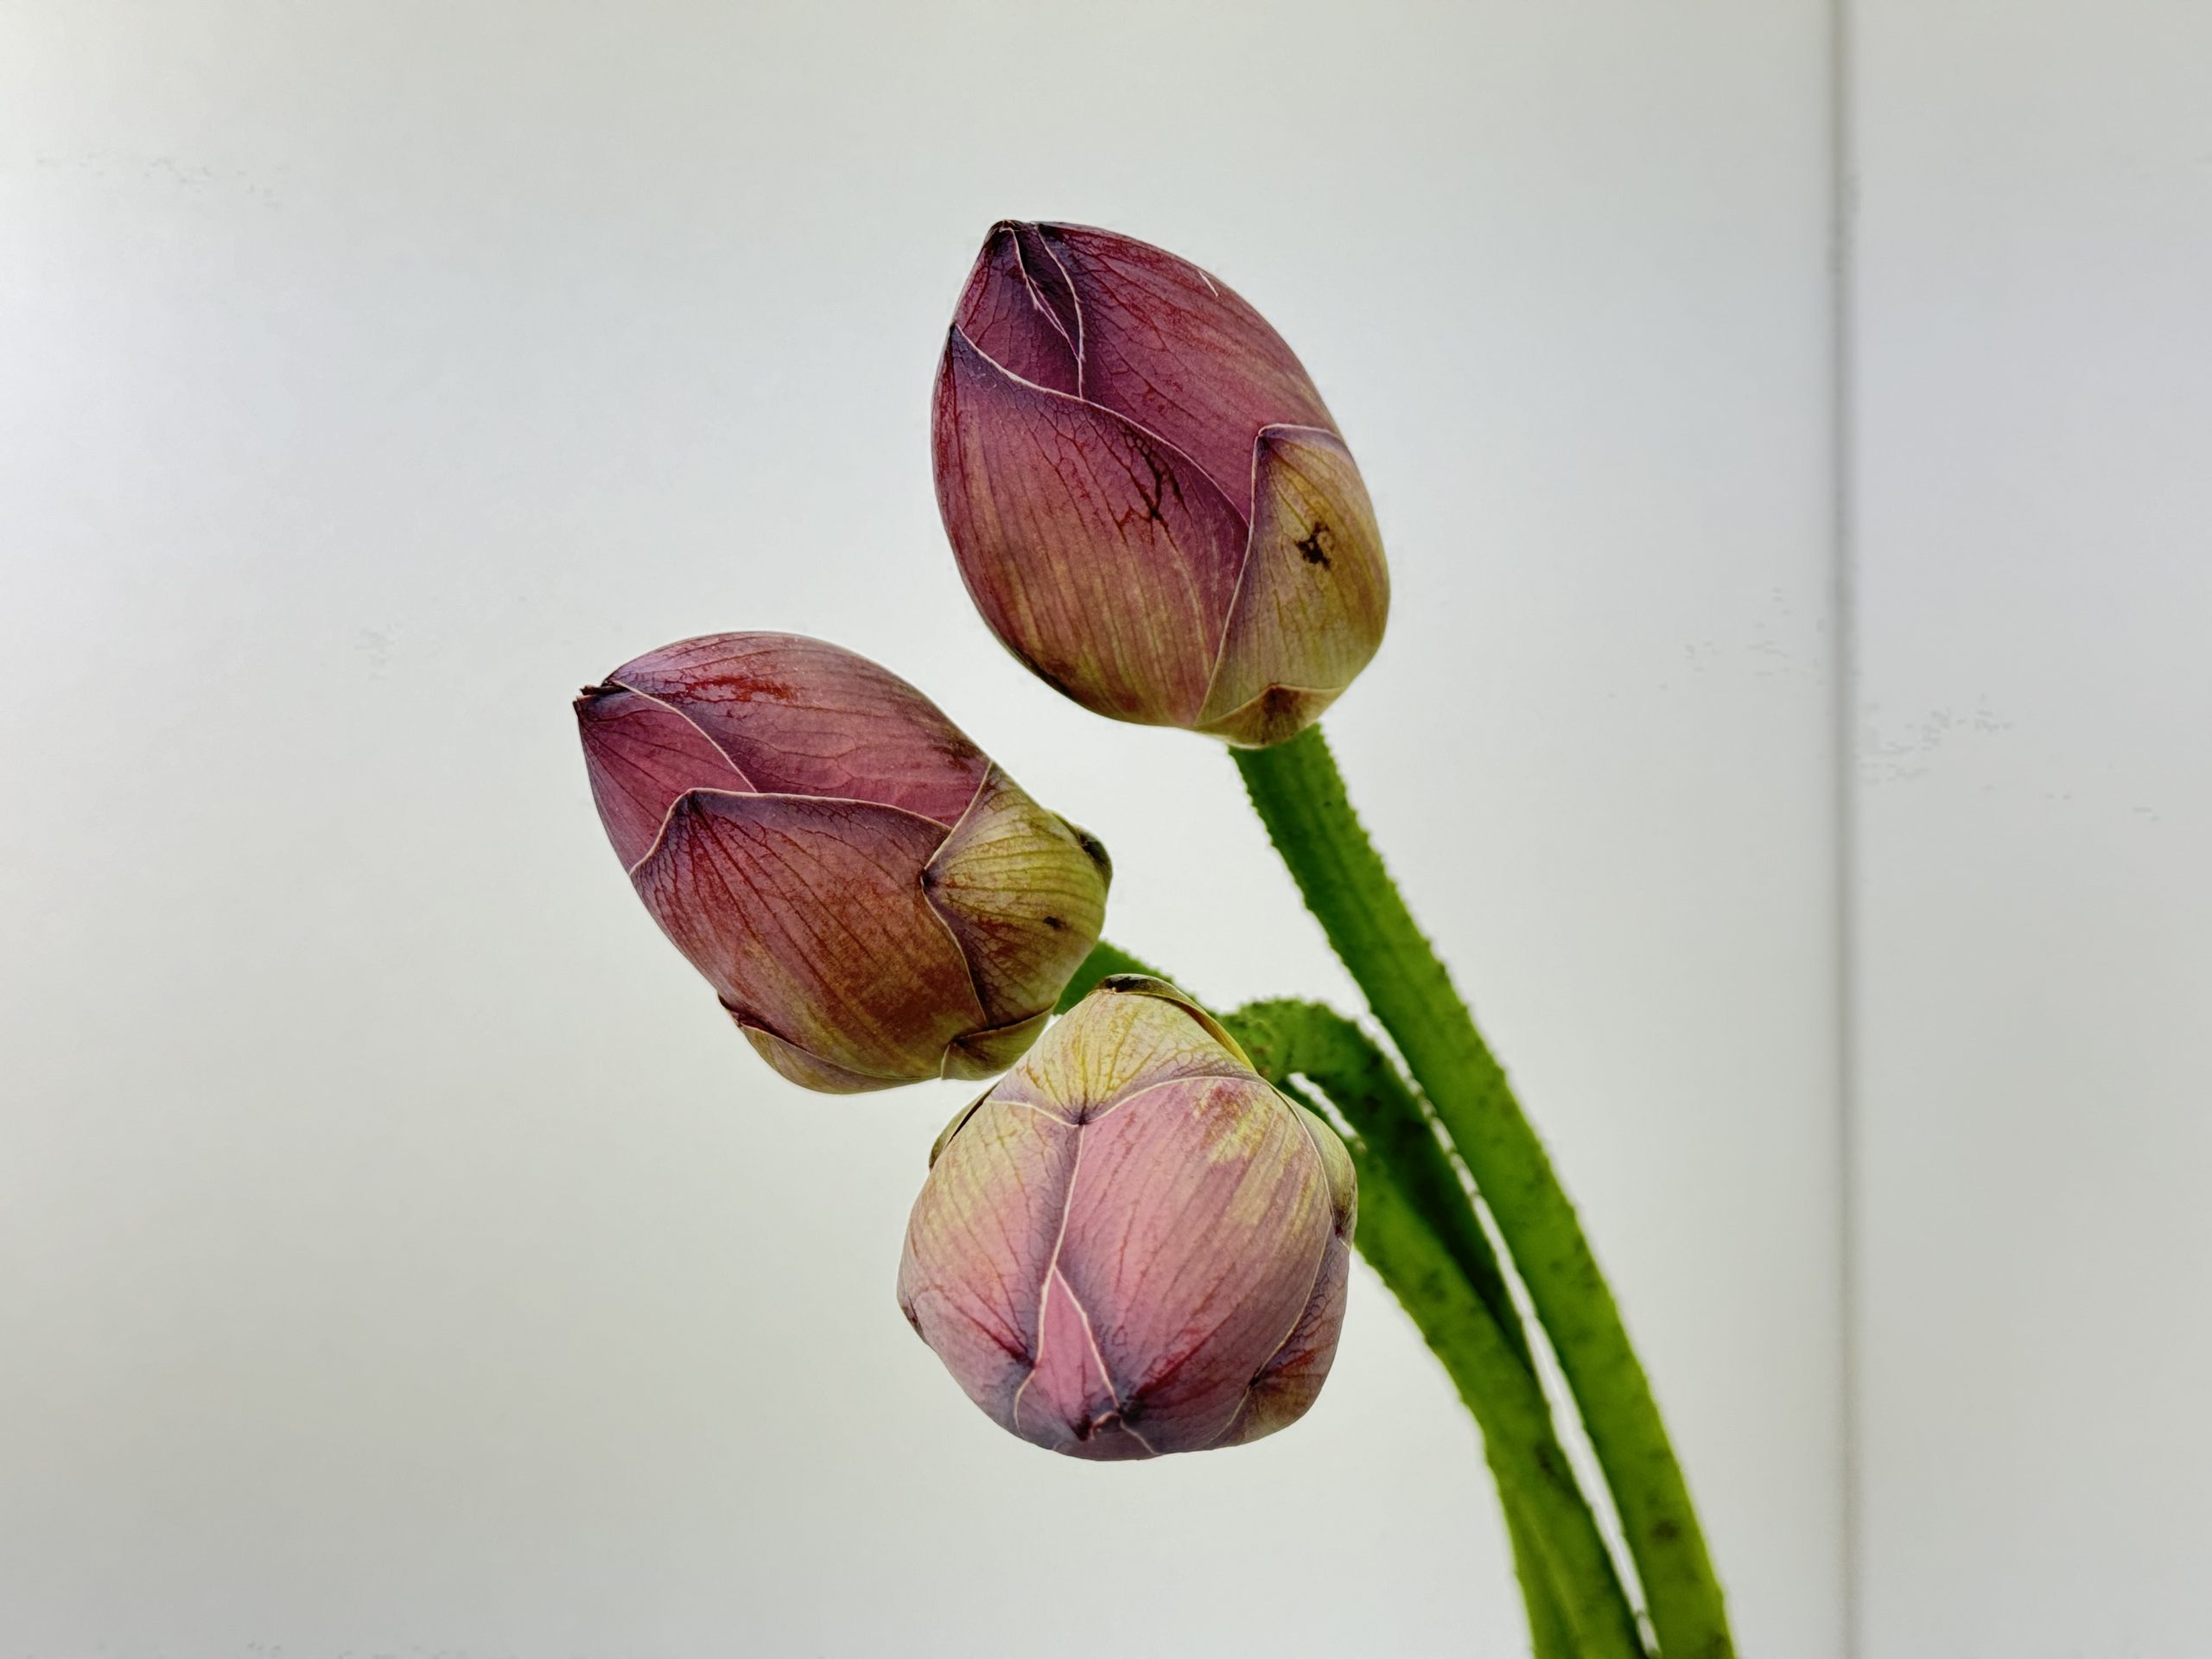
pixel 807 917
pixel 1311 609
pixel 1049 279
pixel 1018 311
pixel 1290 1380
pixel 1024 893
pixel 1069 1404
pixel 801 716
pixel 1180 353
pixel 1160 1273
pixel 980 1244
pixel 642 755
pixel 1098 553
pixel 1289 1383
pixel 1197 1221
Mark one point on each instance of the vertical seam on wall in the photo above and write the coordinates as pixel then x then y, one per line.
pixel 1843 192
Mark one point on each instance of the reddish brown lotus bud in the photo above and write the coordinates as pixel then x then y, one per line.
pixel 1150 503
pixel 1133 1245
pixel 874 900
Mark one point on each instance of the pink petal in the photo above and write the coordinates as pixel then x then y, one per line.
pixel 979 1248
pixel 807 917
pixel 1180 353
pixel 1197 1223
pixel 1098 554
pixel 1291 1380
pixel 1017 309
pixel 1069 1402
pixel 801 716
pixel 641 755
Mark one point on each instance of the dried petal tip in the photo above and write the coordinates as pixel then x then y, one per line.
pixel 1133 1245
pixel 872 899
pixel 1148 500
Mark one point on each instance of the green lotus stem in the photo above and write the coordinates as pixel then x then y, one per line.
pixel 1284 1037
pixel 1419 1230
pixel 1544 1507
pixel 1550 1637
pixel 1300 796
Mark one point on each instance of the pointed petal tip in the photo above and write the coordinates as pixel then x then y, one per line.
pixel 1139 985
pixel 1094 849
pixel 800 715
pixel 979 1054
pixel 641 758
pixel 589 699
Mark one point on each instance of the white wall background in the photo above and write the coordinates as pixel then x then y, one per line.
pixel 2033 315
pixel 397 1254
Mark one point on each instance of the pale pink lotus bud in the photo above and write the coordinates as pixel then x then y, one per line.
pixel 1133 1245
pixel 874 899
pixel 1149 502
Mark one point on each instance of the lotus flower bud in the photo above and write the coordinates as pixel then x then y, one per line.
pixel 1148 500
pixel 1133 1245
pixel 874 899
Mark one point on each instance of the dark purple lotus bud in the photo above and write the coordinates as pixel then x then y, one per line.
pixel 1150 503
pixel 1133 1245
pixel 874 899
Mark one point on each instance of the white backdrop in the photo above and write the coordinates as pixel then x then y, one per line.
pixel 398 1252
pixel 2034 310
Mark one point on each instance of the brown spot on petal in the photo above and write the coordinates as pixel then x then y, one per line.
pixel 757 688
pixel 1314 595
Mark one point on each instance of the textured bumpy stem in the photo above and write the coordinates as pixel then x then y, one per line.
pixel 1548 1520
pixel 1419 1230
pixel 1508 1407
pixel 1300 797
pixel 1285 1036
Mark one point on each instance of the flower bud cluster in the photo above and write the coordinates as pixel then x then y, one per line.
pixel 1132 1244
